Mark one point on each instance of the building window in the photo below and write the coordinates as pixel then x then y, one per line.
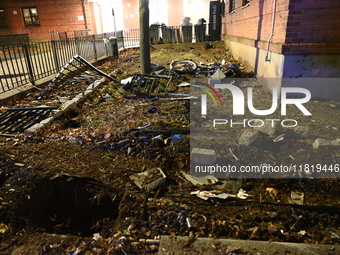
pixel 231 5
pixel 245 2
pixel 3 23
pixel 31 17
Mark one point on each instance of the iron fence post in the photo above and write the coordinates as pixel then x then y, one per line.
pixel 76 39
pixel 123 42
pixel 29 63
pixel 55 55
pixel 106 46
pixel 94 47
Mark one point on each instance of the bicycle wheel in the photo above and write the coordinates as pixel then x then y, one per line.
pixel 183 66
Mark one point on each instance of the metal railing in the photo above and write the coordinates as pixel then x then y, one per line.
pixel 29 62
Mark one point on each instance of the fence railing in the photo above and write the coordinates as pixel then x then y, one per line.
pixel 28 62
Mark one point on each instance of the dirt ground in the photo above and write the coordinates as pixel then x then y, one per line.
pixel 67 189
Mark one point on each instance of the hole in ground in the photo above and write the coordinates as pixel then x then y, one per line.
pixel 70 205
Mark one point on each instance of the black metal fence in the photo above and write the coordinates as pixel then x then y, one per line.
pixel 28 62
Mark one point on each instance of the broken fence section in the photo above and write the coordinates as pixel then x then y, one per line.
pixel 17 120
pixel 148 85
pixel 75 68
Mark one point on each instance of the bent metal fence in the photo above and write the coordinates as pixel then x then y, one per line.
pixel 30 62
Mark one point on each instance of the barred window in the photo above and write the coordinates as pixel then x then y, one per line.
pixel 3 23
pixel 231 5
pixel 30 15
pixel 245 2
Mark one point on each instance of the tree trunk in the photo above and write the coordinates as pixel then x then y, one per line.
pixel 145 64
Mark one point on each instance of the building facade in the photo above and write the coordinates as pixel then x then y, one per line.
pixel 40 18
pixel 286 39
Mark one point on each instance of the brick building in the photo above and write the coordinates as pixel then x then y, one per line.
pixel 286 38
pixel 41 17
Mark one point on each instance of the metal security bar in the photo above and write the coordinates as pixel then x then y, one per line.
pixel 131 38
pixel 141 84
pixel 76 66
pixel 17 120
pixel 13 67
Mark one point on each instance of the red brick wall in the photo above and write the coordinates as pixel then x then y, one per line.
pixel 131 14
pixel 54 15
pixel 313 27
pixel 296 22
pixel 314 21
pixel 176 12
pixel 253 22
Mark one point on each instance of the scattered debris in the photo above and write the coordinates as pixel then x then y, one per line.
pixel 321 142
pixel 272 192
pixel 231 153
pixel 176 137
pixel 280 138
pixel 3 229
pixel 64 99
pixel 242 194
pixel 203 156
pixel 299 132
pixel 141 84
pixel 248 137
pixel 205 195
pixel 74 140
pixel 153 110
pixel 297 197
pixel 302 232
pixel 149 179
pixel 200 181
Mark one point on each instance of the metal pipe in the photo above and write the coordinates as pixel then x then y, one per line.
pixel 272 31
pixel 33 108
pixel 114 22
pixel 84 13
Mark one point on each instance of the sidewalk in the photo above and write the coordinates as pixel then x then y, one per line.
pixel 201 246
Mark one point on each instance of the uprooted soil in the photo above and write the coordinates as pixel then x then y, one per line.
pixel 67 188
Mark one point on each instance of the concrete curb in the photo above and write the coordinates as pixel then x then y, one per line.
pixel 202 246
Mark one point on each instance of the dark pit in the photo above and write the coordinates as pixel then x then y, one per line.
pixel 70 205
